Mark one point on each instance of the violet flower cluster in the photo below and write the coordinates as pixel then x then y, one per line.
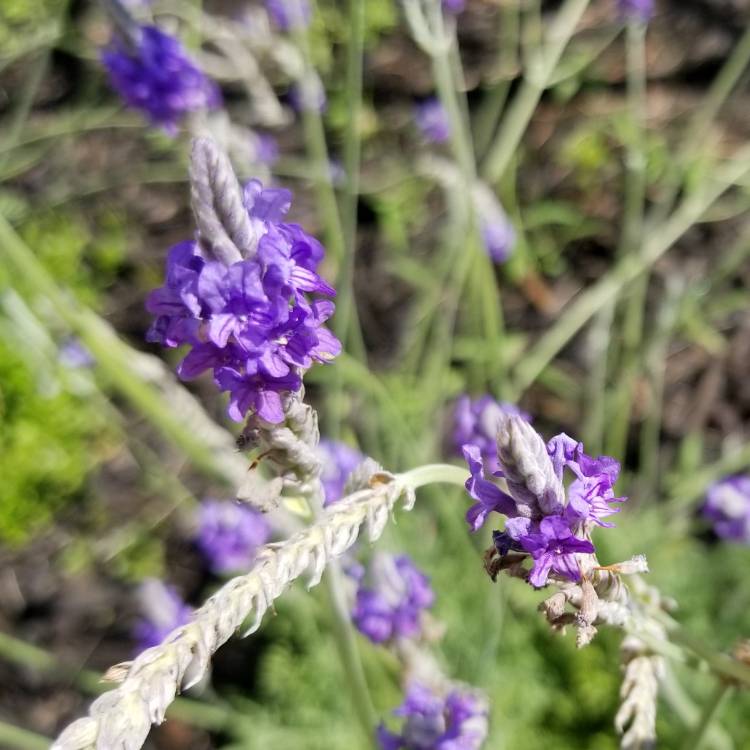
pixel 249 322
pixel 152 73
pixel 338 462
pixel 543 521
pixel 727 507
pixel 457 721
pixel 162 611
pixel 475 421
pixel 391 598
pixel 641 10
pixel 454 7
pixel 229 535
pixel 432 120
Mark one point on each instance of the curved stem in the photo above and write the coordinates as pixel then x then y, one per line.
pixel 434 474
pixel 694 741
pixel 15 738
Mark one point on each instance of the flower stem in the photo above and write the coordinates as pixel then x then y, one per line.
pixel 536 80
pixel 434 474
pixel 694 740
pixel 15 738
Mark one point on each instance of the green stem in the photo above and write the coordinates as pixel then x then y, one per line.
pixel 26 655
pixel 535 82
pixel 609 287
pixel 434 474
pixel 15 738
pixel 694 741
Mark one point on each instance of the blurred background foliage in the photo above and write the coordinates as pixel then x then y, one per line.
pixel 95 496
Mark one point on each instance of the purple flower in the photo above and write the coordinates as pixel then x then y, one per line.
pixel 497 232
pixel 456 721
pixel 637 9
pixel 727 507
pixel 74 355
pixel 252 322
pixel 266 149
pixel 229 534
pixel 289 14
pixel 155 75
pixel 339 461
pixel 432 120
pixel 163 611
pixel 475 421
pixel 308 95
pixel 553 534
pixel 391 605
pixel 454 7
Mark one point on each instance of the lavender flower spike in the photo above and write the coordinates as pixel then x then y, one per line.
pixel 432 120
pixel 527 468
pixel 163 611
pixel 338 462
pixel 456 721
pixel 152 73
pixel 727 507
pixel 229 535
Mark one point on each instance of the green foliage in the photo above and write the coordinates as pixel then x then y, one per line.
pixel 46 442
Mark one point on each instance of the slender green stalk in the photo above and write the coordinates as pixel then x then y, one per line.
pixel 610 286
pixel 535 82
pixel 16 651
pixel 434 474
pixel 15 738
pixel 697 735
pixel 595 394
pixel 698 129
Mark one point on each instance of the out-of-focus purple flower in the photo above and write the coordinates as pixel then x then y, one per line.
pixel 498 234
pixel 162 611
pixel 475 421
pixel 289 14
pixel 456 721
pixel 308 95
pixel 153 74
pixel 266 149
pixel 727 507
pixel 339 461
pixel 229 534
pixel 454 7
pixel 432 120
pixel 391 598
pixel 74 355
pixel 250 322
pixel 638 9
pixel 553 533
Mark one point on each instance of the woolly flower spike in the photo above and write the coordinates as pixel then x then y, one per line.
pixel 391 606
pixel 457 721
pixel 153 74
pixel 727 507
pixel 121 718
pixel 239 296
pixel 475 421
pixel 543 522
pixel 432 120
pixel 637 9
pixel 229 535
pixel 338 462
pixel 163 611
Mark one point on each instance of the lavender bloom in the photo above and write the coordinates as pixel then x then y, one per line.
pixel 391 607
pixel 266 149
pixel 636 9
pixel 497 232
pixel 308 95
pixel 542 520
pixel 339 461
pixel 229 535
pixel 475 421
pixel 432 120
pixel 250 322
pixel 454 7
pixel 727 507
pixel 74 355
pixel 163 611
pixel 155 75
pixel 458 721
pixel 289 14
